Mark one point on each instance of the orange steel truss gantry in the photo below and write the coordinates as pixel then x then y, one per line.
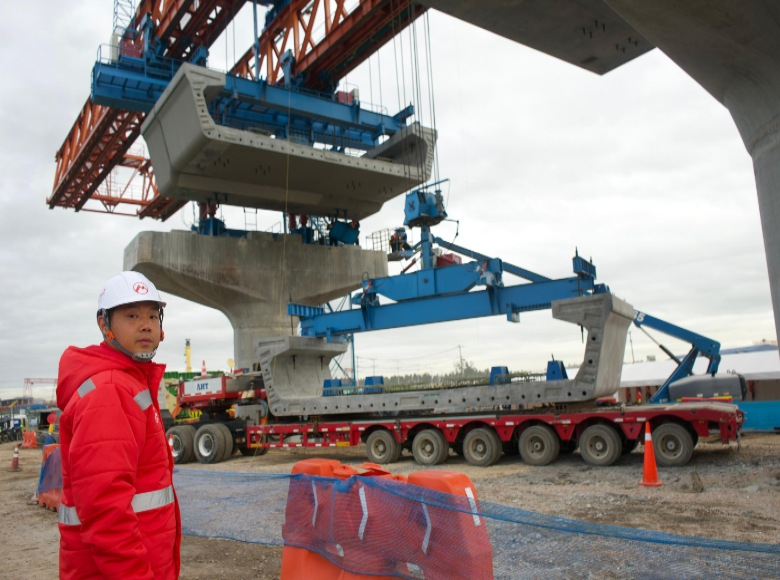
pixel 100 140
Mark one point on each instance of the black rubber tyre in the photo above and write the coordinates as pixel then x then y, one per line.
pixel 539 445
pixel 183 449
pixel 481 447
pixel 254 451
pixel 430 447
pixel 600 445
pixel 210 443
pixel 382 448
pixel 229 447
pixel 673 445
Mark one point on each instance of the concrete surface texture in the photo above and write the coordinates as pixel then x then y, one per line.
pixel 730 47
pixel 585 33
pixel 196 159
pixel 294 370
pixel 251 279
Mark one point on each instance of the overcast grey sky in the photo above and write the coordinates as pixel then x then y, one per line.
pixel 640 169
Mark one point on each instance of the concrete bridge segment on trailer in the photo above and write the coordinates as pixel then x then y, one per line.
pixel 251 279
pixel 197 160
pixel 730 47
pixel 295 367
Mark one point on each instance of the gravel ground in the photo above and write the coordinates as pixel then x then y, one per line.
pixel 724 492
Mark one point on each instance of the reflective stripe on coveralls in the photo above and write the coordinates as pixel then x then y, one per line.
pixel 142 502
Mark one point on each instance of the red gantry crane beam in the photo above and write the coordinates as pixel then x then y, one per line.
pixel 101 137
pixel 348 39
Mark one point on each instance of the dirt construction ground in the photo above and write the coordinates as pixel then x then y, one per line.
pixel 724 493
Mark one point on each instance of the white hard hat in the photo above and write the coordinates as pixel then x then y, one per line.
pixel 128 288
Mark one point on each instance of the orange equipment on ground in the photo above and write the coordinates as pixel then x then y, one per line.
pixel 50 498
pixel 650 472
pixel 345 523
pixel 29 440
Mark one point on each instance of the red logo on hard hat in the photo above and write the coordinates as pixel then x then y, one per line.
pixel 140 288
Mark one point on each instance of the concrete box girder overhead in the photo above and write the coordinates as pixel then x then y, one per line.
pixel 585 33
pixel 196 159
pixel 251 279
pixel 732 49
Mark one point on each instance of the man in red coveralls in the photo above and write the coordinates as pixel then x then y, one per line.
pixel 119 516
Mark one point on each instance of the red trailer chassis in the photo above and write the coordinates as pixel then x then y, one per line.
pixel 602 434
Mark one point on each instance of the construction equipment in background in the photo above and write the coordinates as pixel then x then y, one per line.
pixel 187 356
pixel 290 398
pixel 150 45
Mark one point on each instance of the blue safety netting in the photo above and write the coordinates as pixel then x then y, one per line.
pixel 374 525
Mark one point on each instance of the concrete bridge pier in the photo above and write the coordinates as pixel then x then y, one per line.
pixel 732 49
pixel 251 279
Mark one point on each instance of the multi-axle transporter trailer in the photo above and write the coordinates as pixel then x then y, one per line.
pixel 602 434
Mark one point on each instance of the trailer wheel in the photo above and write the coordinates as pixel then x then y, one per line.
pixel 430 447
pixel 382 448
pixel 481 447
pixel 228 449
pixel 210 443
pixel 600 445
pixel 183 449
pixel 673 445
pixel 254 451
pixel 539 445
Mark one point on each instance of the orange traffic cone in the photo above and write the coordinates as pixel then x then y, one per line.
pixel 650 476
pixel 15 460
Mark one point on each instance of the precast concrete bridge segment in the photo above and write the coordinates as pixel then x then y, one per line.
pixel 196 159
pixel 295 367
pixel 251 279
pixel 730 47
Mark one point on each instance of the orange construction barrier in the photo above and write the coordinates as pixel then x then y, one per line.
pixel 50 499
pixel 343 523
pixel 650 472
pixel 29 440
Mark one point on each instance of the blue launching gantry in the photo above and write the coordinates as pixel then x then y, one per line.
pixel 125 79
pixel 700 346
pixel 438 293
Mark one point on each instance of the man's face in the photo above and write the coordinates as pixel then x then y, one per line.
pixel 135 326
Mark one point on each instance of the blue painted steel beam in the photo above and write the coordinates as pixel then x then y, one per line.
pixel 490 302
pixel 437 281
pixel 699 345
pixel 512 269
pixel 136 84
pixel 127 88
